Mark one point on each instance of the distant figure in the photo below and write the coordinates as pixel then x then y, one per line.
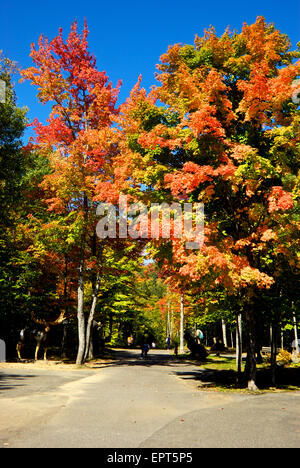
pixel 176 349
pixel 145 350
pixel 194 344
pixel 153 345
pixel 200 335
pixel 168 341
pixel 130 341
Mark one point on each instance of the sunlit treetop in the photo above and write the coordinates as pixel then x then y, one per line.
pixel 222 128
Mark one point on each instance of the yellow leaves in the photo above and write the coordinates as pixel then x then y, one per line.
pixel 190 91
pixel 253 170
pixel 213 49
pixel 252 276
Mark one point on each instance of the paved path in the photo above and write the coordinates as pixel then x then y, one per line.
pixel 134 403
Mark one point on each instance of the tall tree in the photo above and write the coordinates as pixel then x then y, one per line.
pixel 222 128
pixel 77 141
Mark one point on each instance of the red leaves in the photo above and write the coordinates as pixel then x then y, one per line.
pixel 185 181
pixel 203 122
pixel 66 73
pixel 280 200
pixel 77 139
pixel 193 176
pixel 160 136
pixel 56 132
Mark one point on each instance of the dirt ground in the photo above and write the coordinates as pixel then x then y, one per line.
pixel 53 365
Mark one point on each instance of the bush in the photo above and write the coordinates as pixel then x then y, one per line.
pixel 284 357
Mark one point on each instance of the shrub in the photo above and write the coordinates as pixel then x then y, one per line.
pixel 284 357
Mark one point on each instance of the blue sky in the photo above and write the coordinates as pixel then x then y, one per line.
pixel 129 37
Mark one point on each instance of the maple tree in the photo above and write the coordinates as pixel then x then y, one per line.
pixel 221 128
pixel 78 144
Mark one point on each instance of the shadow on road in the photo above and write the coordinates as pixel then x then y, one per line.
pixel 134 358
pixel 286 378
pixel 11 381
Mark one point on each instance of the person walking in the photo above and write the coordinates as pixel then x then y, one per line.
pixel 168 341
pixel 145 350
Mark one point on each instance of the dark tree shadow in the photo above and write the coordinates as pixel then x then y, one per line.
pixel 11 381
pixel 130 358
pixel 286 378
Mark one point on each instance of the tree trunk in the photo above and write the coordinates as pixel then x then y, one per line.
pixel 271 336
pixel 274 354
pixel 182 325
pixel 111 323
pixel 259 338
pixel 296 334
pixel 168 321
pixel 250 370
pixel 64 338
pixel 172 323
pixel 89 337
pixel 64 341
pixel 80 317
pixel 239 347
pixel 80 292
pixel 89 354
pixel 224 333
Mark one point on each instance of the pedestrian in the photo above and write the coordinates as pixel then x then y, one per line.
pixel 168 341
pixel 145 350
pixel 130 341
pixel 200 335
pixel 153 345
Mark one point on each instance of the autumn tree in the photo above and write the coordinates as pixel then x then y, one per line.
pixel 222 128
pixel 77 142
